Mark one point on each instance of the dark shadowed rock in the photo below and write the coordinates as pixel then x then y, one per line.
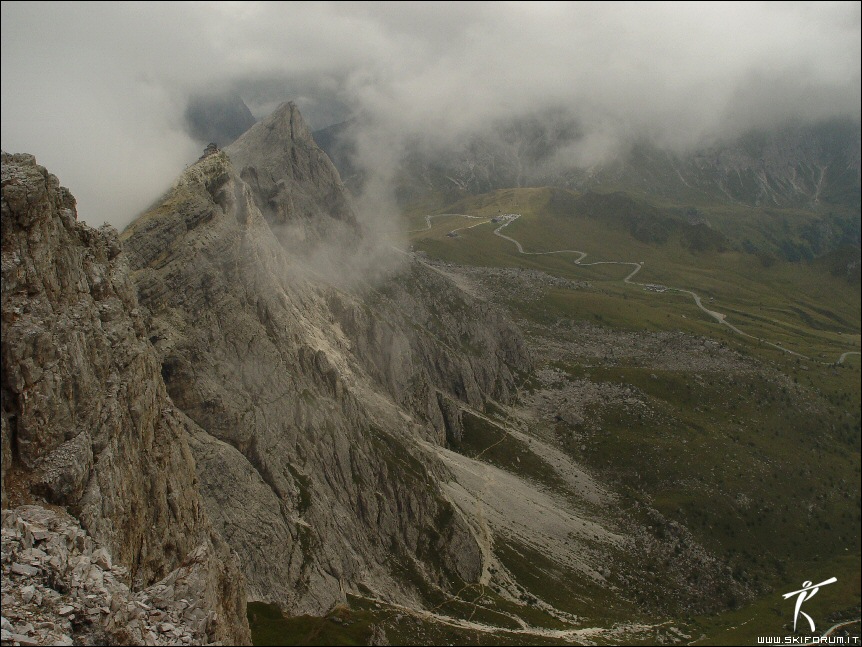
pixel 218 117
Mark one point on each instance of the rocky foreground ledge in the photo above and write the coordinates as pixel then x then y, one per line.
pixel 61 588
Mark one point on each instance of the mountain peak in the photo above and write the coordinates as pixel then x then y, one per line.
pixel 287 122
pixel 293 181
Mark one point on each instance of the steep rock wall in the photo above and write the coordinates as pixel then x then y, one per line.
pixel 86 421
pixel 315 401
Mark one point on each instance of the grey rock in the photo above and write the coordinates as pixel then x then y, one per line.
pixel 26 628
pixel 27 593
pixel 294 183
pixel 312 395
pixel 86 420
pixel 109 612
pixel 378 636
pixel 24 569
pixel 102 559
pixel 63 473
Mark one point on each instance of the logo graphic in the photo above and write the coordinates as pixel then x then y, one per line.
pixel 807 592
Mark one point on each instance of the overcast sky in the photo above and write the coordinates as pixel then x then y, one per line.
pixel 97 90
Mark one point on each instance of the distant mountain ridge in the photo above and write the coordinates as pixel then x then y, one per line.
pixel 805 166
pixel 218 117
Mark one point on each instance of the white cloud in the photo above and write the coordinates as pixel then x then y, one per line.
pixel 96 90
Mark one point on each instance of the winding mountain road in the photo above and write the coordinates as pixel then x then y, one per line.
pixel 719 317
pixel 841 625
pixel 844 355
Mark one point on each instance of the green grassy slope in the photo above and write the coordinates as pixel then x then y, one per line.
pixel 761 467
pixel 756 462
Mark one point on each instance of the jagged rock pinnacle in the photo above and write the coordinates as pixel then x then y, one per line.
pixel 293 181
pixel 288 120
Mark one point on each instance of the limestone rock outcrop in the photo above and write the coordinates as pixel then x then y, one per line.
pixel 86 420
pixel 297 188
pixel 198 388
pixel 316 402
pixel 62 588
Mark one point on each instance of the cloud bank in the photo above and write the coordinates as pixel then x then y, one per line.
pixel 97 91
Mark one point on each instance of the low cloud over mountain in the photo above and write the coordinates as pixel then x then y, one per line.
pixel 99 92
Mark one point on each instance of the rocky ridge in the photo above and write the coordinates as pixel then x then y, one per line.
pixel 86 421
pixel 313 399
pixel 295 185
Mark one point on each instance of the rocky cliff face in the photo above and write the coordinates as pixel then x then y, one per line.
pixel 86 420
pixel 316 405
pixel 212 356
pixel 431 346
pixel 295 185
pixel 794 165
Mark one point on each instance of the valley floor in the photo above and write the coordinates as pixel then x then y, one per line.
pixel 667 470
pixel 678 423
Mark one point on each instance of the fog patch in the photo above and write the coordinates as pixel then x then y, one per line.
pixel 98 91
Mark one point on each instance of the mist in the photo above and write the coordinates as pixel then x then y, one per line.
pixel 97 91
